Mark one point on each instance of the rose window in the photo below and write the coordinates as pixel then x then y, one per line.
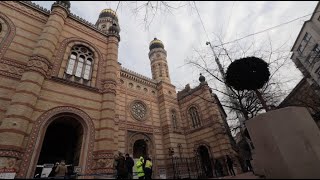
pixel 139 111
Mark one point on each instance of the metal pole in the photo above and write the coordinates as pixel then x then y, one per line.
pixel 188 167
pixel 174 171
pixel 240 116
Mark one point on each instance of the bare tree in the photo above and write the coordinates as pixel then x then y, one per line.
pixel 148 10
pixel 244 102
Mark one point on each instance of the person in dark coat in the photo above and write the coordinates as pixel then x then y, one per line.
pixel 121 167
pixel 129 164
pixel 53 171
pixel 148 168
pixel 230 166
pixel 218 168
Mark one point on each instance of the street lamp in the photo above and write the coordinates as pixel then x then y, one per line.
pixel 171 153
pixel 241 119
pixel 217 61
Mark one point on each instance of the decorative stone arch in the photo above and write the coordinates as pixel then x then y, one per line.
pixel 199 113
pixel 62 55
pixel 7 37
pixel 205 144
pixel 138 136
pixel 38 131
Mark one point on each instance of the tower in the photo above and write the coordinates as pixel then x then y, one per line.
pixel 158 61
pixel 107 18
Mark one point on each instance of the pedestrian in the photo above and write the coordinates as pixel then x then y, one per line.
pixel 218 168
pixel 115 165
pixel 139 168
pixel 61 170
pixel 248 162
pixel 230 166
pixel 121 167
pixel 148 168
pixel 129 164
pixel 53 171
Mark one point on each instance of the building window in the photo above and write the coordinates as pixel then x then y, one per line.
pixel 307 37
pixel 315 53
pixel 160 69
pixel 194 117
pixel 139 110
pixel 300 49
pixel 318 71
pixel 174 119
pixel 80 63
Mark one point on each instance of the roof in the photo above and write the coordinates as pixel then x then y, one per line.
pixel 295 89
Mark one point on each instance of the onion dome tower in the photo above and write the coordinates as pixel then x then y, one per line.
pixel 158 61
pixel 108 19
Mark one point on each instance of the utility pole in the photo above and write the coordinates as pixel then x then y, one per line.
pixel 239 115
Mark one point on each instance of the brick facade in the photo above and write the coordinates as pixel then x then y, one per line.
pixel 34 54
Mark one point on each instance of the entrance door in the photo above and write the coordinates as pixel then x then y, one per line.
pixel 205 161
pixel 62 141
pixel 140 148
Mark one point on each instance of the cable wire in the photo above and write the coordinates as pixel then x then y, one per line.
pixel 265 30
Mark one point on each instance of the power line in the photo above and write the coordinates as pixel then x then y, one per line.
pixel 118 6
pixel 201 20
pixel 264 30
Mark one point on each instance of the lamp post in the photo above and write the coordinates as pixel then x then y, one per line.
pixel 171 153
pixel 241 119
pixel 196 161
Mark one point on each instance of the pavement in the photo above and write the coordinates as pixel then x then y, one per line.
pixel 248 175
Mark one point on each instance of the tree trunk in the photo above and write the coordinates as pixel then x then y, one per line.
pixel 263 102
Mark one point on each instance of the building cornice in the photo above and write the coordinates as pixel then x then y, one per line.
pixel 137 77
pixel 71 16
pixel 36 7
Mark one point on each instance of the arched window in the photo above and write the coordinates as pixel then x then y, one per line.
pixel 194 116
pixel 80 63
pixel 174 119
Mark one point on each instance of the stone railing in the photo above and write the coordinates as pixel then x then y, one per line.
pixel 138 77
pixel 36 6
pixel 72 16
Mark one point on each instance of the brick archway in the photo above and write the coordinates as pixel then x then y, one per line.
pixel 140 136
pixel 7 39
pixel 34 145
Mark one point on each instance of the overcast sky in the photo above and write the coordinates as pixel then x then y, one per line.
pixel 181 30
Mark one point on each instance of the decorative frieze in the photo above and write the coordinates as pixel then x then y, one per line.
pixel 29 9
pixel 109 86
pixel 39 64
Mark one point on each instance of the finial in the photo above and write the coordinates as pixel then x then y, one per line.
pixel 202 78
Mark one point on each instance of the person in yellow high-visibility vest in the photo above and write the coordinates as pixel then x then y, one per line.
pixel 148 168
pixel 139 168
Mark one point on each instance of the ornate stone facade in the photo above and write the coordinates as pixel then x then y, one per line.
pixel 116 109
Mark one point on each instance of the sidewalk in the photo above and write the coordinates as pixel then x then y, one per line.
pixel 248 175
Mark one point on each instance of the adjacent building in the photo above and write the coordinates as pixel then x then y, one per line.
pixel 64 95
pixel 306 50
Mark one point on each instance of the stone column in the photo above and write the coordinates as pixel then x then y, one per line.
pixel 105 141
pixel 14 127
